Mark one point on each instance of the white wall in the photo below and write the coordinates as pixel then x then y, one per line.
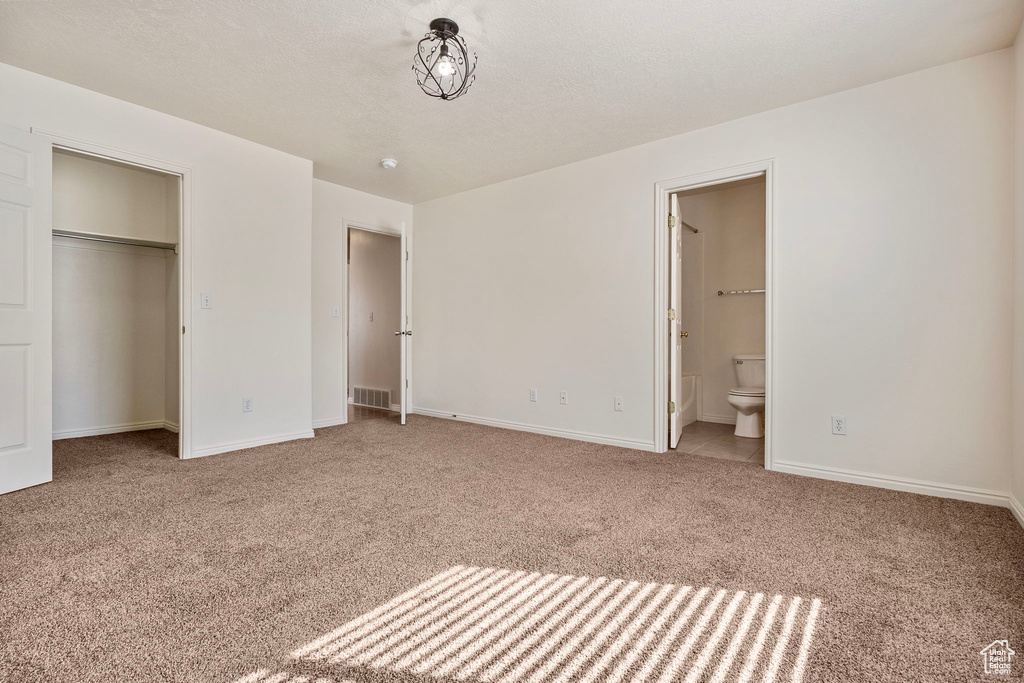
pixel 375 290
pixel 332 206
pixel 94 195
pixel 109 352
pixel 1018 279
pixel 892 251
pixel 251 215
pixel 732 222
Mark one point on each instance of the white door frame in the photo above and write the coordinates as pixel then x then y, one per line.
pixel 662 190
pixel 346 225
pixel 185 312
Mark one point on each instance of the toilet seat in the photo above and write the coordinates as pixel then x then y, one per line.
pixel 747 391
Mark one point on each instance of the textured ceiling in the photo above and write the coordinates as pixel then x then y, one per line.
pixel 557 80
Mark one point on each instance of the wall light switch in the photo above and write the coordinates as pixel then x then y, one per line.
pixel 246 405
pixel 563 398
pixel 533 395
pixel 618 404
pixel 336 312
pixel 839 425
pixel 206 300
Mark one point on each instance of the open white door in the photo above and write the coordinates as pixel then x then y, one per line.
pixel 26 259
pixel 405 331
pixel 675 394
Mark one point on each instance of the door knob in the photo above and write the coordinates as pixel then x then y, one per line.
pixel 684 334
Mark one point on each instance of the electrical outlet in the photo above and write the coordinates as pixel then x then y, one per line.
pixel 533 395
pixel 618 404
pixel 563 398
pixel 246 405
pixel 839 425
pixel 336 313
pixel 206 301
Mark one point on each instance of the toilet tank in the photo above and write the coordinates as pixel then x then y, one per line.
pixel 749 369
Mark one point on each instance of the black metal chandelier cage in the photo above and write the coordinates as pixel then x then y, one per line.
pixel 444 66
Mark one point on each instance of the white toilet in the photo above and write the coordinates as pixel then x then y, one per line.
pixel 748 397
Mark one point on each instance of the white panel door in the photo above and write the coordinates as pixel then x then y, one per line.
pixel 674 298
pixel 691 322
pixel 405 331
pixel 26 419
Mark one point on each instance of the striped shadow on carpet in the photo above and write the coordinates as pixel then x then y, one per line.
pixel 488 624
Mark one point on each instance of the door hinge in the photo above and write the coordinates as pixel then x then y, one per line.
pixel 406 384
pixel 671 314
pixel 183 329
pixel 671 221
pixel 406 256
pixel 671 407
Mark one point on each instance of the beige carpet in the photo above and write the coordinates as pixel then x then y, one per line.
pixel 449 551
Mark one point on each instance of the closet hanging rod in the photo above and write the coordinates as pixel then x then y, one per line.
pixel 740 291
pixel 115 240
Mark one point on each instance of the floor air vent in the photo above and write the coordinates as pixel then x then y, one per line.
pixel 373 398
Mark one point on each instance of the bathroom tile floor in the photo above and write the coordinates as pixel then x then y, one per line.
pixel 718 441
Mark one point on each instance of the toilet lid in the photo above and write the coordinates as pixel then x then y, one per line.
pixel 747 391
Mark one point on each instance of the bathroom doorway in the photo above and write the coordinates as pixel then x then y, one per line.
pixel 717 366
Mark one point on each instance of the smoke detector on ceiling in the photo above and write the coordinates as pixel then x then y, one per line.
pixel 388 163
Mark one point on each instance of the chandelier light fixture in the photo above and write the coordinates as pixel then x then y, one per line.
pixel 443 64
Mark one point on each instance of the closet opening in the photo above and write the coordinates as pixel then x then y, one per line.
pixel 117 299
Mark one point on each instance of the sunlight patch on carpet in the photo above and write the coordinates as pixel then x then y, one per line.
pixel 503 626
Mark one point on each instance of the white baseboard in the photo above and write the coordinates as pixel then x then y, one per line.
pixel 928 488
pixel 239 445
pixel 396 407
pixel 171 426
pixel 112 429
pixel 535 429
pixel 718 419
pixel 330 422
pixel 1017 509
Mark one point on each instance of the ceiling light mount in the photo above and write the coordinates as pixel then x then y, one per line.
pixel 388 163
pixel 443 25
pixel 443 65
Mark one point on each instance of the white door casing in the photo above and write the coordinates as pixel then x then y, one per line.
pixel 675 299
pixel 406 332
pixel 26 261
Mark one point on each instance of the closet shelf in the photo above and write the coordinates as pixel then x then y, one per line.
pixel 115 239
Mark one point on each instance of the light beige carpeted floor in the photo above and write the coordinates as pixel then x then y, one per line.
pixel 450 551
